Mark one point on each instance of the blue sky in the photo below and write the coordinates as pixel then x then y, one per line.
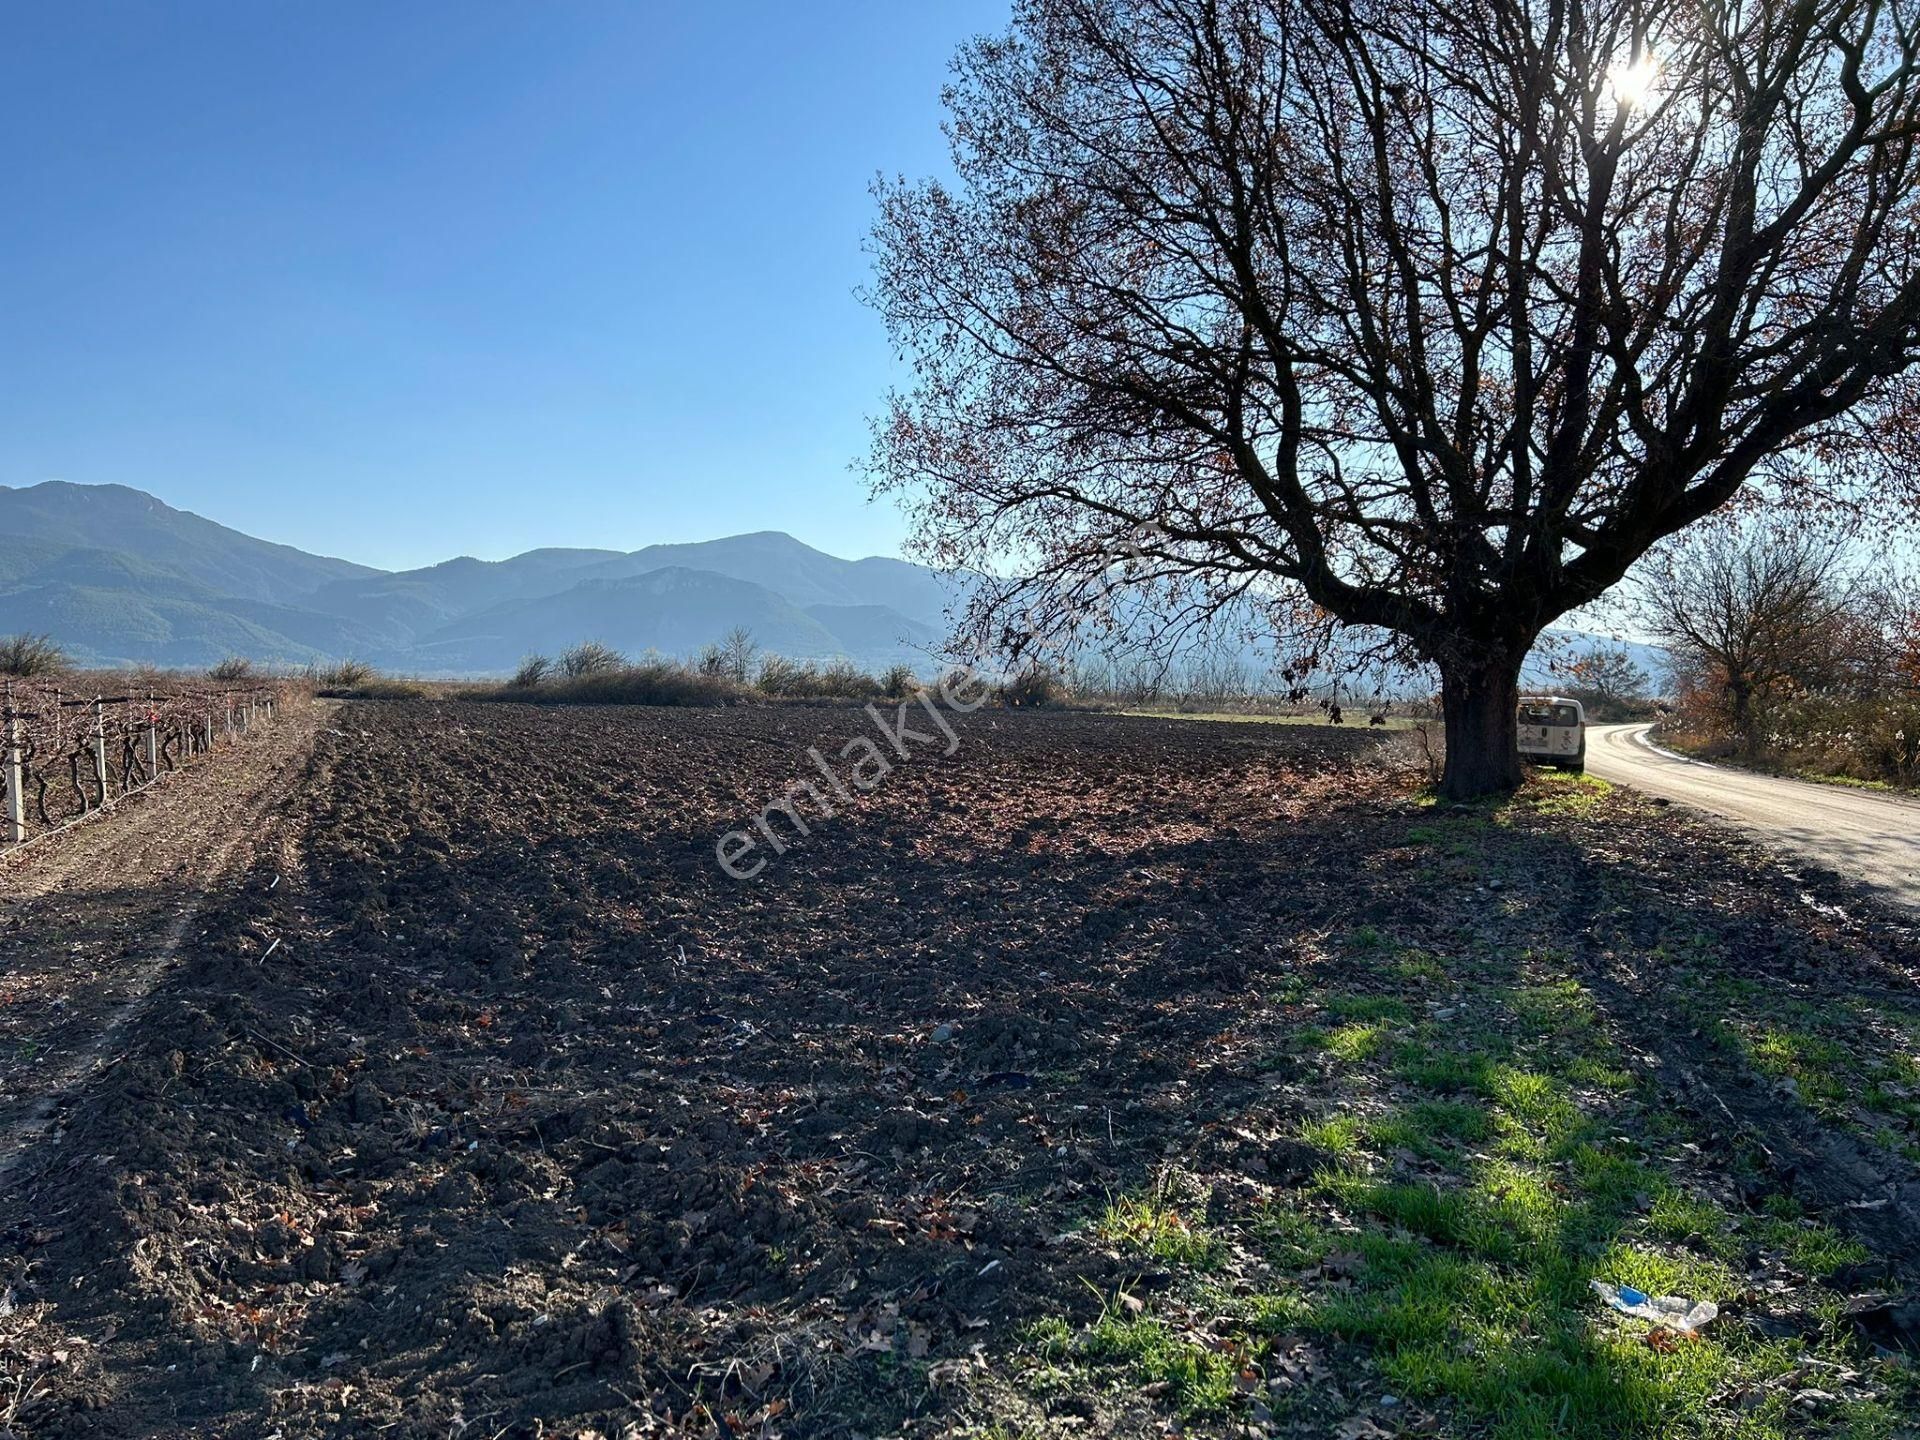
pixel 403 281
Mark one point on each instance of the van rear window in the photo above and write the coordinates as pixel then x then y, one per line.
pixel 1548 715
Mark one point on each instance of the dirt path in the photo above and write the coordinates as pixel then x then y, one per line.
pixel 1874 839
pixel 91 918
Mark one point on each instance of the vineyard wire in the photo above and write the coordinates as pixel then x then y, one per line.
pixel 66 756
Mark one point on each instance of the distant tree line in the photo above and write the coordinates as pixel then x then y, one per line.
pixel 733 670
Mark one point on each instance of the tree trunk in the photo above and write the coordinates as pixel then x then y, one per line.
pixel 1483 738
pixel 1741 694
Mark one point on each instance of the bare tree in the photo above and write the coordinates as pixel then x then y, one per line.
pixel 1886 615
pixel 1214 673
pixel 1750 609
pixel 1426 317
pixel 737 651
pixel 1615 676
pixel 590 657
pixel 1609 680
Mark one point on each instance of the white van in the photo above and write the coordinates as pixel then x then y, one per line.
pixel 1553 731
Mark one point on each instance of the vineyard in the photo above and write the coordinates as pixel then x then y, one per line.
pixel 69 753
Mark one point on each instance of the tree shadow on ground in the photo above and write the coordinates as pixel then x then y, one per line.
pixel 1104 1070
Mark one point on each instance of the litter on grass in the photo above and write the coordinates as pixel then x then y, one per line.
pixel 1687 1316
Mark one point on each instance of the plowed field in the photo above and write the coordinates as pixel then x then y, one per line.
pixel 1086 1080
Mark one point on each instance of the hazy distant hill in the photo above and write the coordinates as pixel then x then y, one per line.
pixel 878 629
pixel 113 608
pixel 171 626
pixel 113 517
pixel 674 611
pixel 799 573
pixel 406 604
pixel 119 577
pixel 1545 668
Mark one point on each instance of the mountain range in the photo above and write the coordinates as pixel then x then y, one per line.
pixel 118 577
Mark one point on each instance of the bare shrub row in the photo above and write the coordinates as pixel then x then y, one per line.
pixel 730 673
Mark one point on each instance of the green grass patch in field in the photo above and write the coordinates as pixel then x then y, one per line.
pixel 1455 835
pixel 1051 1338
pixel 1198 1379
pixel 1339 1135
pixel 1444 1071
pixel 1472 1288
pixel 1482 1170
pixel 1559 1008
pixel 1675 1215
pixel 1476 1292
pixel 1368 1007
pixel 1431 1129
pixel 1355 1042
pixel 1367 940
pixel 1151 1224
pixel 1851 1061
pixel 1558 793
pixel 1817 1066
pixel 1292 990
pixel 1289 1236
pixel 1417 966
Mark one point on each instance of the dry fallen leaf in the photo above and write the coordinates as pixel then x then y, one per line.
pixel 947 1372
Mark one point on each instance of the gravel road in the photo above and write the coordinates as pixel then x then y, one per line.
pixel 1865 836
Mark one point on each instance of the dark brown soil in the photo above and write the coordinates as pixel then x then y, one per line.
pixel 91 917
pixel 533 1121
